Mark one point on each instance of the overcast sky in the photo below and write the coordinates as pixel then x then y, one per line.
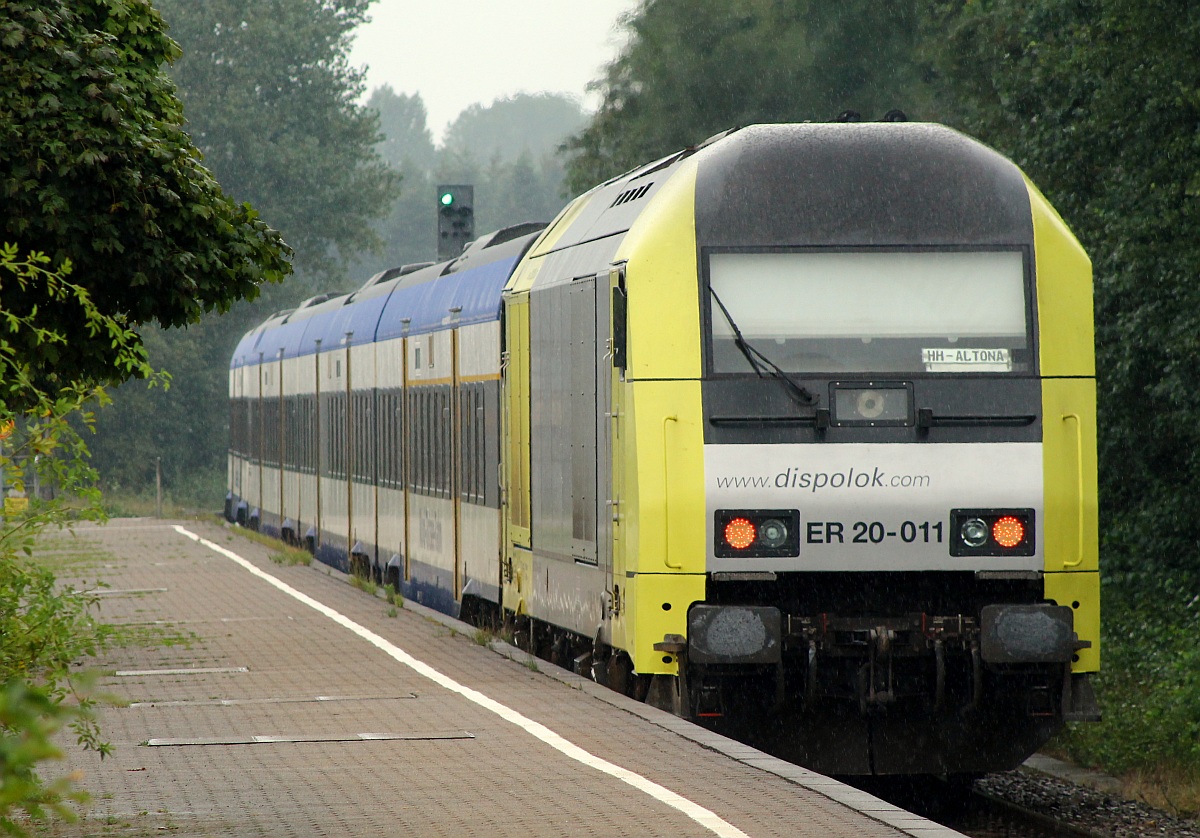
pixel 458 52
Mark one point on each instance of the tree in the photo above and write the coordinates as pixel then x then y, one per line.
pixel 507 150
pixel 1098 100
pixel 272 103
pixel 514 125
pixel 694 68
pixel 95 168
pixel 408 231
pixel 407 143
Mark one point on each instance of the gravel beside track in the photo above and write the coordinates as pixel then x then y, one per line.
pixel 1101 813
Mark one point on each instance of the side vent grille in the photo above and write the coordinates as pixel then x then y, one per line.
pixel 631 195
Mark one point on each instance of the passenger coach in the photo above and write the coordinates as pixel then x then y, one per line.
pixel 792 432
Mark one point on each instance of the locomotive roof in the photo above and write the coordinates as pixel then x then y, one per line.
pixel 829 184
pixel 858 184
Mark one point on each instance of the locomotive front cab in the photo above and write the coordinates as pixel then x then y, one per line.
pixel 898 453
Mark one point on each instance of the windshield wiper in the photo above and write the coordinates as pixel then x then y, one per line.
pixel 799 393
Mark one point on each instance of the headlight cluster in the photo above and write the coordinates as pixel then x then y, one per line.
pixel 757 533
pixel 991 532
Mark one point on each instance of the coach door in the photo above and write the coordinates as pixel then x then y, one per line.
pixel 456 453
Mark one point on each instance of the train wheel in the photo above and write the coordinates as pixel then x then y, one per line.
pixel 620 672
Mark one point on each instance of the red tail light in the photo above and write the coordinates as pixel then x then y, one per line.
pixel 740 533
pixel 1008 531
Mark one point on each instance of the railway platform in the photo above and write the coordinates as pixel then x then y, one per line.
pixel 274 700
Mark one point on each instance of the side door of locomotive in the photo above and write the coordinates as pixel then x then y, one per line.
pixel 610 360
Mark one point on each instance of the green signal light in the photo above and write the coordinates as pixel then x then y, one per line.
pixel 447 198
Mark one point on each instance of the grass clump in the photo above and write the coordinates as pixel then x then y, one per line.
pixel 291 556
pixel 364 583
pixel 1149 691
pixel 483 636
pixel 151 635
pixel 488 632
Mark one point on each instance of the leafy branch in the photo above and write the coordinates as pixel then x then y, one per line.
pixel 46 629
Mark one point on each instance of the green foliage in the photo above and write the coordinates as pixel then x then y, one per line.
pixel 29 720
pixel 95 169
pixel 507 150
pixel 1098 100
pixel 272 103
pixel 1149 688
pixel 409 232
pixel 45 629
pixel 407 143
pixel 363 582
pixel 291 556
pixel 186 426
pixel 693 68
pixel 509 127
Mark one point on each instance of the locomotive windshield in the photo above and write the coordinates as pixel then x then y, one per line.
pixel 872 312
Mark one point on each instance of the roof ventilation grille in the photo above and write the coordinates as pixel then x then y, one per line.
pixel 631 195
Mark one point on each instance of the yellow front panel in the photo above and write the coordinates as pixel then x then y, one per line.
pixel 669 425
pixel 650 622
pixel 1080 592
pixel 1064 294
pixel 1070 529
pixel 663 283
pixel 664 531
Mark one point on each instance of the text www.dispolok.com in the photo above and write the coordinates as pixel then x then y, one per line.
pixel 815 481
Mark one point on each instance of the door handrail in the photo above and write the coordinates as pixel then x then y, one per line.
pixel 1079 493
pixel 667 500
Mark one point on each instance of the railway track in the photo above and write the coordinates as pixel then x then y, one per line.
pixel 990 816
pixel 1030 804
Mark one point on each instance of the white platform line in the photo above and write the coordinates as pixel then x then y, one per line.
pixel 197 670
pixel 706 818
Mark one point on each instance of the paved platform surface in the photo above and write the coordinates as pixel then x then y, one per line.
pixel 304 706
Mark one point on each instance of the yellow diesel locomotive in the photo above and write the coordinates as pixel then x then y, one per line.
pixel 792 433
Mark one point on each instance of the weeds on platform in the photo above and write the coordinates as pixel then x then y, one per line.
pixel 150 635
pixel 290 556
pixel 485 634
pixel 364 583
pixel 260 538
